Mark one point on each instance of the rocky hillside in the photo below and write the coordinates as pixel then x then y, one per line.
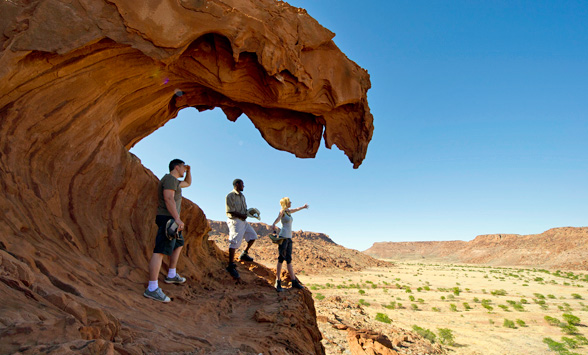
pixel 565 248
pixel 83 81
pixel 312 252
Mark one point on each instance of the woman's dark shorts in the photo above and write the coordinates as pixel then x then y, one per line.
pixel 162 244
pixel 285 250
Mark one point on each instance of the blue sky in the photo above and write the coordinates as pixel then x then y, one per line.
pixel 481 126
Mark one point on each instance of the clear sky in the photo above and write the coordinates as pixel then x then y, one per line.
pixel 481 126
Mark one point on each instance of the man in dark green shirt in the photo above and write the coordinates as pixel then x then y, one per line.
pixel 169 193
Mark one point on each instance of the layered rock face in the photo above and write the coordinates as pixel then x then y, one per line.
pixel 80 83
pixel 565 247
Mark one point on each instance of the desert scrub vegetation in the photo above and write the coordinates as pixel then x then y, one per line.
pixel 319 296
pixel 500 292
pixel 571 319
pixel 466 306
pixel 363 302
pixel 391 305
pixel 381 317
pixel 425 333
pixel 509 324
pixel 563 347
pixel 446 336
pixel 577 296
pixel 521 323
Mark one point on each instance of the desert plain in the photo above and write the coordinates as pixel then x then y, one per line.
pixel 487 309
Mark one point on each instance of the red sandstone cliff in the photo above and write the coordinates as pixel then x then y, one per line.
pixel 81 82
pixel 565 248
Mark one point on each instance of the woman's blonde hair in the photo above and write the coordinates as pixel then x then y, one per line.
pixel 284 202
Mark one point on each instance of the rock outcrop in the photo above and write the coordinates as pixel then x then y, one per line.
pixel 565 248
pixel 312 252
pixel 80 83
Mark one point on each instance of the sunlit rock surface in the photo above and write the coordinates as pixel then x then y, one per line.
pixel 80 83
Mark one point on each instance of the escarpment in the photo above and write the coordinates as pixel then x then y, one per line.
pixel 564 247
pixel 80 83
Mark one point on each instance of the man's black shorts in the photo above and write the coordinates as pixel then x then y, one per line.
pixel 162 244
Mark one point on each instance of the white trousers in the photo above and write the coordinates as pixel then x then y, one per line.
pixel 237 230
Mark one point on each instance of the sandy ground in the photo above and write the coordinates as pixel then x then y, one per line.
pixel 478 330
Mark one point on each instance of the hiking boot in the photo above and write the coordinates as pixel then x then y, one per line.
pixel 245 257
pixel 232 269
pixel 278 285
pixel 157 295
pixel 296 284
pixel 175 280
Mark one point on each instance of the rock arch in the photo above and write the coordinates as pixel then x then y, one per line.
pixel 80 83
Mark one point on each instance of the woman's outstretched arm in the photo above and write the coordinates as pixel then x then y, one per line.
pixel 298 209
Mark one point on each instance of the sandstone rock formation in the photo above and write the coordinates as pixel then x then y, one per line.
pixel 565 248
pixel 347 328
pixel 82 81
pixel 312 252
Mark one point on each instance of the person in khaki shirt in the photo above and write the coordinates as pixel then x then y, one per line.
pixel 236 208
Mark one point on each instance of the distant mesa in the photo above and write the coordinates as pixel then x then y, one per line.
pixel 81 82
pixel 565 248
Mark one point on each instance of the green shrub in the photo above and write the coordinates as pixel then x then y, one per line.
pixel 476 299
pixel 508 324
pixel 363 302
pixel 453 307
pixel 524 301
pixel 500 292
pixel 571 319
pixel 581 339
pixel 466 306
pixel 568 328
pixel 554 345
pixel 361 292
pixel 551 296
pixel 504 307
pixel 411 298
pixel 552 321
pixel 436 309
pixel 521 323
pixel 571 343
pixel 392 305
pixel 446 336
pixel 381 317
pixel 425 333
pixel 319 296
pixel 414 306
pixel 577 296
pixel 539 296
